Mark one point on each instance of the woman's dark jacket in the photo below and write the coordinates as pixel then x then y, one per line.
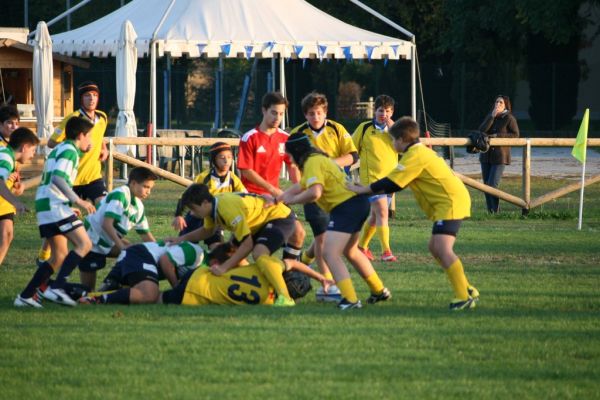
pixel 503 125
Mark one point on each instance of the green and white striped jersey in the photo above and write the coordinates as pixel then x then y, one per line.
pixel 51 205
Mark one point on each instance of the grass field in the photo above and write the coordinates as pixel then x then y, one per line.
pixel 535 333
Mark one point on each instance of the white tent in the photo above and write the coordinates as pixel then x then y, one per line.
pixel 232 28
pixel 126 68
pixel 43 80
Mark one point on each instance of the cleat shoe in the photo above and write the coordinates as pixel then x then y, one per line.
pixel 59 296
pixel 367 253
pixel 383 296
pixel 89 300
pixel 388 256
pixel 473 292
pixel 27 302
pixel 333 294
pixel 282 301
pixel 346 305
pixel 457 304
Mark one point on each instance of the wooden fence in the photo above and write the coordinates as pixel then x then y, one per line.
pixel 525 202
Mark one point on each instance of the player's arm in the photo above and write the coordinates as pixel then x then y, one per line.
pixel 194 236
pixel 103 152
pixel 384 185
pixel 108 226
pixel 11 198
pixel 253 176
pixel 168 269
pixel 346 159
pixel 305 269
pixel 290 192
pixel 294 173
pixel 178 221
pixel 309 195
pixel 61 184
pixel 241 252
pixel 147 237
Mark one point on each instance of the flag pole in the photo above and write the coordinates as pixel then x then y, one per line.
pixel 581 197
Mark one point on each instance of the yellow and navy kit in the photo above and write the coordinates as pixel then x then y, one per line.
pixel 440 194
pixel 319 169
pixel 217 184
pixel 243 214
pixel 375 150
pixel 241 285
pixel 333 139
pixel 90 168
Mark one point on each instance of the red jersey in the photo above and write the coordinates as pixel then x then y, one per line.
pixel 264 154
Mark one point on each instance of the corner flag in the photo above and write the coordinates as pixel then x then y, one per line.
pixel 579 150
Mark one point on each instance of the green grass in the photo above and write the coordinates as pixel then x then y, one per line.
pixel 535 334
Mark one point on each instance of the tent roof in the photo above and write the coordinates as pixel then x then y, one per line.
pixel 235 28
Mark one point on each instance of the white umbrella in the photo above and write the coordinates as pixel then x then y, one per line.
pixel 126 68
pixel 43 81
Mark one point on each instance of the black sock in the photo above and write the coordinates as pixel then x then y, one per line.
pixel 121 296
pixel 41 275
pixel 71 262
pixel 291 252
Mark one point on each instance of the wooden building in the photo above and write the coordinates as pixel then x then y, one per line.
pixel 16 83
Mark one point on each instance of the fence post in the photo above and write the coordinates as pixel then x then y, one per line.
pixel 110 166
pixel 527 175
pixel 370 108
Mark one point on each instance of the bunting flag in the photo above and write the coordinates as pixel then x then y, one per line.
pixel 226 48
pixel 370 51
pixel 322 51
pixel 395 47
pixel 201 48
pixel 248 51
pixel 298 50
pixel 347 53
pixel 269 46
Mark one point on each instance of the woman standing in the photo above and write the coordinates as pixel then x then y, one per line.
pixel 502 124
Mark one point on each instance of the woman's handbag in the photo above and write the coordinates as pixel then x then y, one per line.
pixel 480 143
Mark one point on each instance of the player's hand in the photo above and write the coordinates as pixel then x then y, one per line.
pixel 179 223
pixel 389 122
pixel 270 201
pixel 18 188
pixel 76 211
pixel 172 240
pixel 356 188
pixel 87 206
pixel 276 192
pixel 14 177
pixel 285 197
pixel 217 269
pixel 326 283
pixel 103 154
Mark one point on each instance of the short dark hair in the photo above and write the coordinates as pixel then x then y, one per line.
pixel 273 98
pixel 406 129
pixel 300 147
pixel 141 175
pixel 221 253
pixel 313 99
pixel 88 86
pixel 8 112
pixel 195 194
pixel 77 125
pixel 385 101
pixel 21 136
pixel 216 149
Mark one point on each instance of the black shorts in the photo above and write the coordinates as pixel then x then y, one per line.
pixel 446 227
pixel 92 190
pixel 317 218
pixel 92 262
pixel 276 233
pixel 194 223
pixel 349 216
pixel 137 265
pixel 61 227
pixel 9 216
pixel 175 295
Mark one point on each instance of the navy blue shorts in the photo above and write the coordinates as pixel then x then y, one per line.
pixel 175 295
pixel 350 215
pixel 137 265
pixel 276 233
pixel 194 223
pixel 316 217
pixel 446 227
pixel 61 227
pixel 92 262
pixel 92 190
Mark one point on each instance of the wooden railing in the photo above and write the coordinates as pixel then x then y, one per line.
pixel 525 202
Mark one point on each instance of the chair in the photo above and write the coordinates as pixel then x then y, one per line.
pixel 171 154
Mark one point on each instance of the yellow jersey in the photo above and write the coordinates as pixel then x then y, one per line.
pixel 90 167
pixel 439 193
pixel 243 214
pixel 375 151
pixel 241 286
pixel 318 169
pixel 7 167
pixel 217 184
pixel 333 139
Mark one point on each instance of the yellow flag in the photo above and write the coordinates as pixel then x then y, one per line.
pixel 579 150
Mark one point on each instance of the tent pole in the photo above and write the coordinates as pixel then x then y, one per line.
pixel 282 86
pixel 153 96
pixel 413 81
